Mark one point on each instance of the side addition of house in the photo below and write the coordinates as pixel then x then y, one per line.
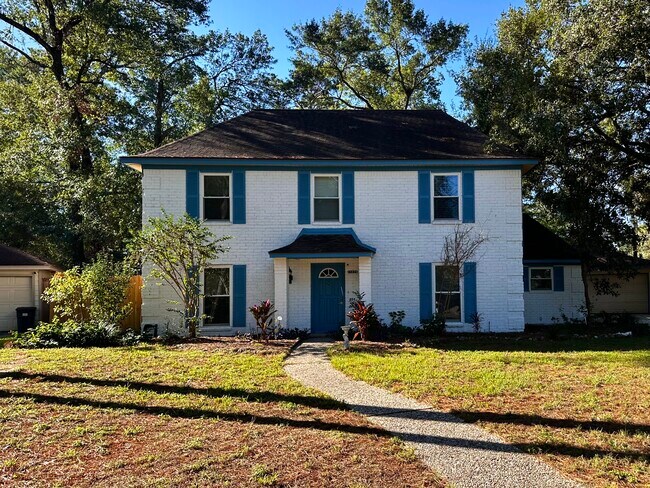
pixel 322 204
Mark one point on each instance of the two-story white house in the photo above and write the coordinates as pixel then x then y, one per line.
pixel 321 204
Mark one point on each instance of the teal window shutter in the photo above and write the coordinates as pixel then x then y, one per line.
pixel 424 197
pixel 192 192
pixel 239 196
pixel 526 280
pixel 304 191
pixel 468 196
pixel 558 278
pixel 426 291
pixel 469 290
pixel 348 196
pixel 239 295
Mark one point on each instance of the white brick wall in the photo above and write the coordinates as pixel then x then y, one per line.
pixel 544 306
pixel 386 218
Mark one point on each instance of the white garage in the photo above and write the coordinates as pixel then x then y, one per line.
pixel 23 278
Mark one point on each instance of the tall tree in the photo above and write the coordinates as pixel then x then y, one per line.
pixel 567 82
pixel 67 59
pixel 190 82
pixel 388 58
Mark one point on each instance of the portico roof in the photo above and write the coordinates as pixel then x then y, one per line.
pixel 324 243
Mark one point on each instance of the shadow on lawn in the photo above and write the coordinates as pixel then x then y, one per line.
pixel 252 396
pixel 198 413
pixel 519 343
pixel 609 427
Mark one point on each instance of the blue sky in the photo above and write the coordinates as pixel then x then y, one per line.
pixel 272 17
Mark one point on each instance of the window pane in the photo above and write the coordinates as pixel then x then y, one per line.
pixel 326 209
pixel 541 284
pixel 445 186
pixel 216 186
pixel 216 208
pixel 217 310
pixel 326 186
pixel 445 208
pixel 449 305
pixel 544 273
pixel 217 281
pixel 447 278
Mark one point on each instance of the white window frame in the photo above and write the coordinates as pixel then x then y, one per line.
pixel 460 199
pixel 203 295
pixel 461 287
pixel 530 279
pixel 313 198
pixel 202 195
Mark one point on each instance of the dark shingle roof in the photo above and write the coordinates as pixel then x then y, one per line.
pixel 311 242
pixel 335 135
pixel 542 243
pixel 10 256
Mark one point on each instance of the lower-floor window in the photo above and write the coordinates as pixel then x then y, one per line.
pixel 216 300
pixel 541 279
pixel 447 290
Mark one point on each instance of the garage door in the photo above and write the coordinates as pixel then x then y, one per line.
pixel 632 296
pixel 15 291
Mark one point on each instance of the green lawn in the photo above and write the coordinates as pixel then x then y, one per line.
pixel 582 405
pixel 221 413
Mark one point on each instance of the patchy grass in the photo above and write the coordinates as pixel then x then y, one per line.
pixel 582 405
pixel 218 413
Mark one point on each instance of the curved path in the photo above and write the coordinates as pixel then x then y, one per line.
pixel 466 455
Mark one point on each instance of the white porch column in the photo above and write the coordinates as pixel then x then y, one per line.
pixel 365 277
pixel 281 273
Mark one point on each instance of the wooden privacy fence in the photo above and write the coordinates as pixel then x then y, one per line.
pixel 134 297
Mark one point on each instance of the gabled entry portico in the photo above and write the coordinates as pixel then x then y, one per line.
pixel 316 275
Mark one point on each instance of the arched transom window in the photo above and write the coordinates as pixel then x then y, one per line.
pixel 328 273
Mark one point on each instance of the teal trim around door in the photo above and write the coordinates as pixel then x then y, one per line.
pixel 327 297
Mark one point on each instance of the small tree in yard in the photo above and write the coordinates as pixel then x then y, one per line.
pixel 459 247
pixel 179 250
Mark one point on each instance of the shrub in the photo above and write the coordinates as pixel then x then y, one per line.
pixel 433 327
pixel 96 293
pixel 71 333
pixel 263 315
pixel 476 320
pixel 363 315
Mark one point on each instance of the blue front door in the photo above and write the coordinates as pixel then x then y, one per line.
pixel 327 297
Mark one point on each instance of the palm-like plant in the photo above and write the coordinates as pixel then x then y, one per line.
pixel 263 315
pixel 361 315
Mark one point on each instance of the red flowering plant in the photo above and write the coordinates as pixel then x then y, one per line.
pixel 362 314
pixel 263 315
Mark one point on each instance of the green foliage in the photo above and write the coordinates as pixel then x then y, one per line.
pixel 96 293
pixel 178 251
pixel 83 82
pixel 73 333
pixel 387 58
pixel 567 83
pixel 434 327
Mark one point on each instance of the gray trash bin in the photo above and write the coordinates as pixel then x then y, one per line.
pixel 26 318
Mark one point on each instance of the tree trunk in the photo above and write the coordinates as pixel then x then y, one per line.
pixel 584 270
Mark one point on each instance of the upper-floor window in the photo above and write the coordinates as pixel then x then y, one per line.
pixel 327 198
pixel 446 197
pixel 216 197
pixel 541 279
pixel 447 292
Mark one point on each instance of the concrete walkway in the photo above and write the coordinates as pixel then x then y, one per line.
pixel 466 455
